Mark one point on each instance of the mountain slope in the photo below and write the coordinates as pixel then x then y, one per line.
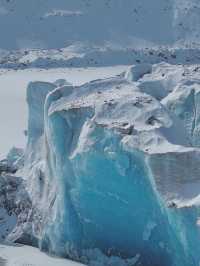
pixel 50 24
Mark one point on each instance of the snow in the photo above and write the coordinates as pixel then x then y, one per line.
pixel 19 255
pixel 138 71
pixel 63 13
pixel 89 55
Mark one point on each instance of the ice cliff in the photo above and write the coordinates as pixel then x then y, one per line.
pixel 112 168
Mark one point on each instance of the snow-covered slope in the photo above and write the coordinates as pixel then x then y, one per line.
pixel 84 56
pixel 55 24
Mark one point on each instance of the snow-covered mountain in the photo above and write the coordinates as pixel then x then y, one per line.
pixel 55 24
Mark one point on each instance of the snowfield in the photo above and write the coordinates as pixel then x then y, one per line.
pixel 19 255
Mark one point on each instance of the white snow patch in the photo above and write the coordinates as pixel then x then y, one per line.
pixel 29 256
pixel 63 13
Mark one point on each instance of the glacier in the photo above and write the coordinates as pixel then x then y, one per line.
pixel 108 169
pixel 111 168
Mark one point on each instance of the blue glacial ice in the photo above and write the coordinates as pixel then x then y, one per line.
pixel 113 172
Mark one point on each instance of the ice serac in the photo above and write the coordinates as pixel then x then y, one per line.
pixel 35 150
pixel 113 169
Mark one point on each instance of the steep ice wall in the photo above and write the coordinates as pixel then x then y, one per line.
pixel 34 164
pixel 113 173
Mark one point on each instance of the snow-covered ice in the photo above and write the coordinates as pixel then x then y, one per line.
pixel 13 107
pixel 100 153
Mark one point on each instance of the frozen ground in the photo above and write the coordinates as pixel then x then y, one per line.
pixel 29 256
pixel 13 109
